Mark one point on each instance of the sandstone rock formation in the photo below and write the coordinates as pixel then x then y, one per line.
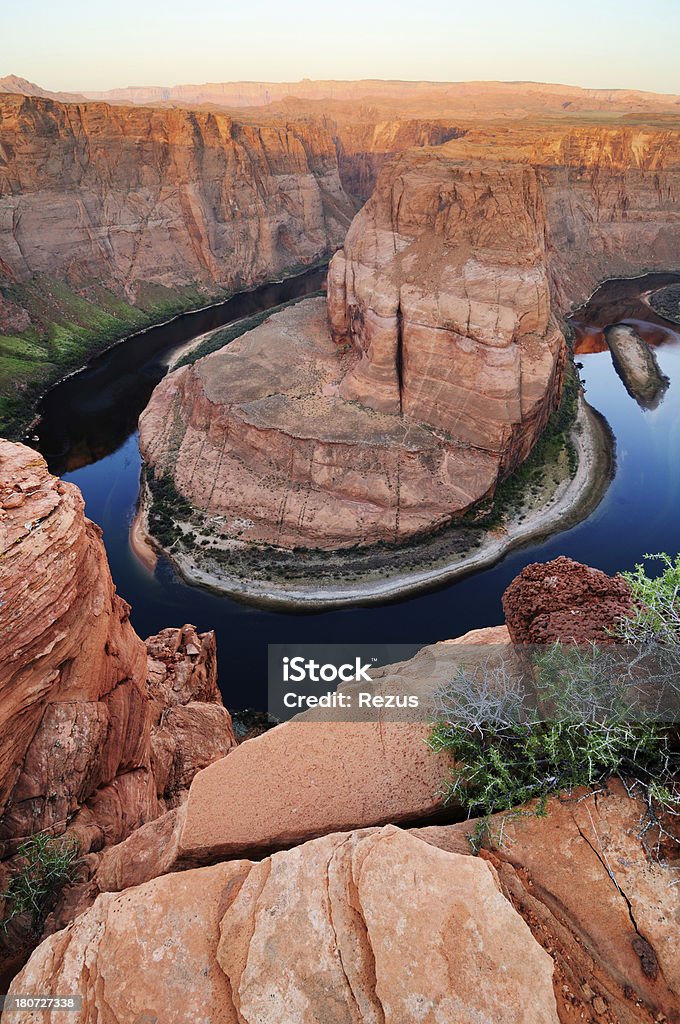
pixel 268 446
pixel 190 727
pixel 88 741
pixel 97 738
pixel 444 310
pixel 604 910
pixel 72 675
pixel 132 199
pixel 349 928
pixel 389 926
pixel 326 770
pixel 564 601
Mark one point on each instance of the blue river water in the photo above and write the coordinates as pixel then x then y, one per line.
pixel 98 451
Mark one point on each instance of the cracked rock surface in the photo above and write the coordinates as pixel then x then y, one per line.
pixel 567 920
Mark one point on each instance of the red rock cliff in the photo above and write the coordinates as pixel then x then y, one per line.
pixel 128 197
pixel 97 734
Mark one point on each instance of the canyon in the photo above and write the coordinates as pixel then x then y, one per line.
pixel 322 865
pixel 112 217
pixel 438 358
pixel 129 198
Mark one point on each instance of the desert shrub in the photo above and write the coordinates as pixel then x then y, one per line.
pixel 47 863
pixel 656 617
pixel 582 714
pixel 167 507
pixel 507 752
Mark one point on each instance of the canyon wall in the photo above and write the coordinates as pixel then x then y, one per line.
pixel 610 194
pixel 127 198
pixel 365 143
pixel 442 295
pixel 445 308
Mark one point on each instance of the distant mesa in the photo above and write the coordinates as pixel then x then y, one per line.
pixel 22 87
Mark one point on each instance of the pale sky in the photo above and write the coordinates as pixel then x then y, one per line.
pixel 91 44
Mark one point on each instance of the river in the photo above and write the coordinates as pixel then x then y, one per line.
pixel 87 432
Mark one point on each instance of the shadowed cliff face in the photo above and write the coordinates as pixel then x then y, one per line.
pixel 135 197
pixel 445 310
pixel 365 147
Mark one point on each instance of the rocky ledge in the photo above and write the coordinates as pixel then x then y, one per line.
pixel 387 926
pixel 301 878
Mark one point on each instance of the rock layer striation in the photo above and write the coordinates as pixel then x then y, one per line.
pixel 132 198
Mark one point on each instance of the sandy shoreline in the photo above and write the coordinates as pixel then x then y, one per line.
pixel 571 502
pixel 141 543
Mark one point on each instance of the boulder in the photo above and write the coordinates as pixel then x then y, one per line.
pixel 326 773
pixel 566 601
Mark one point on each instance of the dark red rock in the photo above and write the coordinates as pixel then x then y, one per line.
pixel 564 600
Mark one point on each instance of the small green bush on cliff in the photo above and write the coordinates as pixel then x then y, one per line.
pixel 656 618
pixel 47 863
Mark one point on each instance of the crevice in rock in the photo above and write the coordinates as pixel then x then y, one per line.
pixel 643 948
pixel 399 358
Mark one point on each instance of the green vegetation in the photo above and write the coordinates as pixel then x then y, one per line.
pixel 505 763
pixel 583 714
pixel 220 338
pixel 167 507
pixel 656 618
pixel 66 331
pixel 47 863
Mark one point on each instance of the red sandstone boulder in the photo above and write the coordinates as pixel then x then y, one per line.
pixel 564 600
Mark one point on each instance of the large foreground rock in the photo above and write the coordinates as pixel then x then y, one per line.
pixel 380 925
pixel 325 774
pixel 377 928
pixel 73 671
pixel 307 777
pixel 606 911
